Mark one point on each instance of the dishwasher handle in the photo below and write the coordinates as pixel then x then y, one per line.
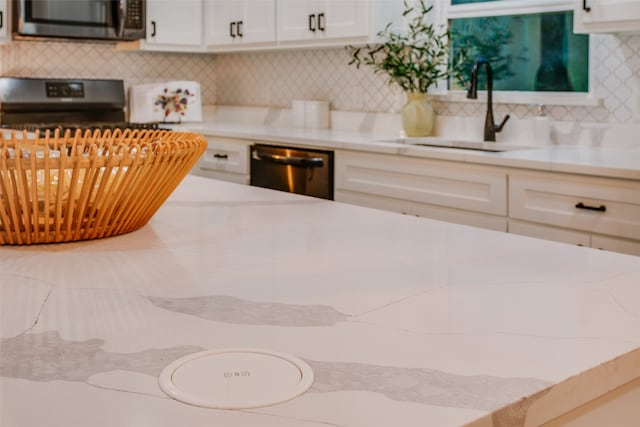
pixel 306 162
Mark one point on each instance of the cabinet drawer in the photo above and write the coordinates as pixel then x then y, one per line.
pixel 616 245
pixel 441 183
pixel 440 213
pixel 226 155
pixel 572 237
pixel 605 206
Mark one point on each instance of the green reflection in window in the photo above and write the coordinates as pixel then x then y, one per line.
pixel 536 52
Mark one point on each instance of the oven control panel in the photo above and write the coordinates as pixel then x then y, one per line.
pixel 65 89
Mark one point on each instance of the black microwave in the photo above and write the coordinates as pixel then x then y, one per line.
pixel 80 19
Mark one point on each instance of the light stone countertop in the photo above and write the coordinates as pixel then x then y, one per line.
pixel 405 321
pixel 615 154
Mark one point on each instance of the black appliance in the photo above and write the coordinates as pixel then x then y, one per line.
pixel 41 104
pixel 295 170
pixel 80 19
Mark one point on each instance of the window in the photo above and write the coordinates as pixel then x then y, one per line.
pixel 529 43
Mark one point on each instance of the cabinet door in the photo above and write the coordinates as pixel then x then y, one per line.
pixel 296 20
pixel 5 34
pixel 240 23
pixel 343 19
pixel 631 247
pixel 550 233
pixel 320 20
pixel 259 21
pixel 174 22
pixel 221 18
pixel 225 155
pixel 439 183
pixel 606 16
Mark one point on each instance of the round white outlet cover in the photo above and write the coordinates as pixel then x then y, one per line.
pixel 236 378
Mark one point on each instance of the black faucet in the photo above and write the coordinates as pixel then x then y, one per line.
pixel 490 127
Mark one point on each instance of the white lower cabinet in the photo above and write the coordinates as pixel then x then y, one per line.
pixel 449 191
pixel 602 213
pixel 612 244
pixel 225 159
pixel 573 237
pixel 598 212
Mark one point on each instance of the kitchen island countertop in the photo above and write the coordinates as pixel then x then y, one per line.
pixel 404 320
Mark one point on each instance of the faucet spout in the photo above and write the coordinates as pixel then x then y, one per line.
pixel 490 127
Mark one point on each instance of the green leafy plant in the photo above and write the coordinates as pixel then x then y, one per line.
pixel 416 59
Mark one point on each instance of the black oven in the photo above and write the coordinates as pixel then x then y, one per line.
pixel 83 19
pixel 296 170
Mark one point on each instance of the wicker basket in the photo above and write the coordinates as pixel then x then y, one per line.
pixel 77 186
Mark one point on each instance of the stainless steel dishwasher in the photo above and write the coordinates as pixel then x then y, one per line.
pixel 296 170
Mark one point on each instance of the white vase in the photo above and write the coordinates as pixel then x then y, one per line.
pixel 417 115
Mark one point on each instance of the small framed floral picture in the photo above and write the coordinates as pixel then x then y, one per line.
pixel 168 102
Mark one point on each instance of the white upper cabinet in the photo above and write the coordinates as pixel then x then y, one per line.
pixel 232 24
pixel 606 16
pixel 5 33
pixel 327 21
pixel 174 25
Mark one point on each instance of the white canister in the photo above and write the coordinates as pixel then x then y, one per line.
pixel 316 114
pixel 298 113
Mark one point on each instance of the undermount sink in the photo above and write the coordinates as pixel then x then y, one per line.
pixel 434 141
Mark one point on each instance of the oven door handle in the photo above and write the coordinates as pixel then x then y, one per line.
pixel 307 162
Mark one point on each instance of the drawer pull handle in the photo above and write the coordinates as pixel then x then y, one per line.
pixel 312 22
pixel 585 7
pixel 220 156
pixel 601 208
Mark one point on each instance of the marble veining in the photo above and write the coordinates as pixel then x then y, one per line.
pixel 48 357
pixel 220 308
pixel 420 385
